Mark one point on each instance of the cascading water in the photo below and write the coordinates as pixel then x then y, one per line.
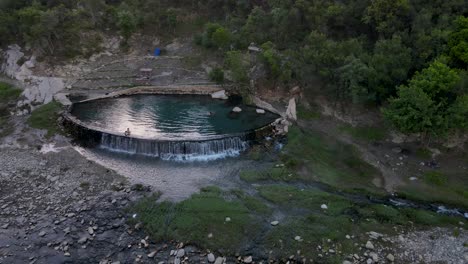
pixel 176 150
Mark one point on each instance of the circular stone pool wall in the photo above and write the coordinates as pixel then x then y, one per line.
pixel 172 127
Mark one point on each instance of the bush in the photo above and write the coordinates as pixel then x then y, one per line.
pixel 217 75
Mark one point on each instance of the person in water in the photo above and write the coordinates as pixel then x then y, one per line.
pixel 127 132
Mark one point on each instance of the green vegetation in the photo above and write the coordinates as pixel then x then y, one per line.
pixel 200 220
pixel 435 178
pixel 8 94
pixel 430 104
pixel 217 75
pixel 330 161
pixel 45 117
pixel 273 174
pixel 366 133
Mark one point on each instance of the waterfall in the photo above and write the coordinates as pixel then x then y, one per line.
pixel 176 150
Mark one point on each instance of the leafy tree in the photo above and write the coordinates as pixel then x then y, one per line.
pixel 429 104
pixel 221 38
pixel 388 67
pixel 458 43
pixel 353 82
pixel 217 75
pixel 238 66
pixel 388 17
pixel 127 23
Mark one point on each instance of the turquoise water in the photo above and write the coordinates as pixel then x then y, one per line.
pixel 170 117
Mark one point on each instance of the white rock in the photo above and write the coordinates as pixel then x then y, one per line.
pixel 369 245
pixel 42 233
pixel 274 223
pixel 219 260
pixel 180 253
pixel 228 219
pixel 219 95
pixel 390 258
pixel 211 258
pixel 348 237
pixel 152 254
pixel 248 259
pixel 90 230
pixel 291 113
pixel 298 238
pixel 236 109
pixel 413 178
pixel 324 206
pixel 260 111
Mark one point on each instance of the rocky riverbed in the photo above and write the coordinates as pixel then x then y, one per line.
pixel 61 208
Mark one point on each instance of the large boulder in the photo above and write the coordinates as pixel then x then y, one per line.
pixel 291 113
pixel 219 95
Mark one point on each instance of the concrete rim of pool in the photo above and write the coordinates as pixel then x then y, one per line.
pixel 223 144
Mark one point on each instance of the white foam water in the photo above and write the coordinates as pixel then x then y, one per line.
pixel 176 150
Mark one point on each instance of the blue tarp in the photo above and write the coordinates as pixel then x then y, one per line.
pixel 157 52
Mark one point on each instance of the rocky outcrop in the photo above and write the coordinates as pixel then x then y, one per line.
pixel 291 113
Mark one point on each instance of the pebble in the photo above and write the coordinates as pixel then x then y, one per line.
pixel 42 233
pixel 248 259
pixel 228 219
pixel 90 230
pixel 298 238
pixel 374 256
pixel 390 258
pixel 348 237
pixel 369 245
pixel 152 254
pixel 324 206
pixel 211 258
pixel 274 223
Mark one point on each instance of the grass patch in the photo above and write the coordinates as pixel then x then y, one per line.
pixel 199 220
pixel 8 93
pixel 45 117
pixel 435 178
pixel 367 133
pixel 252 203
pixel 311 199
pixel 329 161
pixel 273 174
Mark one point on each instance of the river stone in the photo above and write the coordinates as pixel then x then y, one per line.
pixel 152 254
pixel 237 109
pixel 369 245
pixel 324 206
pixel 274 223
pixel 260 111
pixel 219 260
pixel 211 258
pixel 248 259
pixel 42 233
pixel 180 253
pixel 390 258
pixel 374 256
